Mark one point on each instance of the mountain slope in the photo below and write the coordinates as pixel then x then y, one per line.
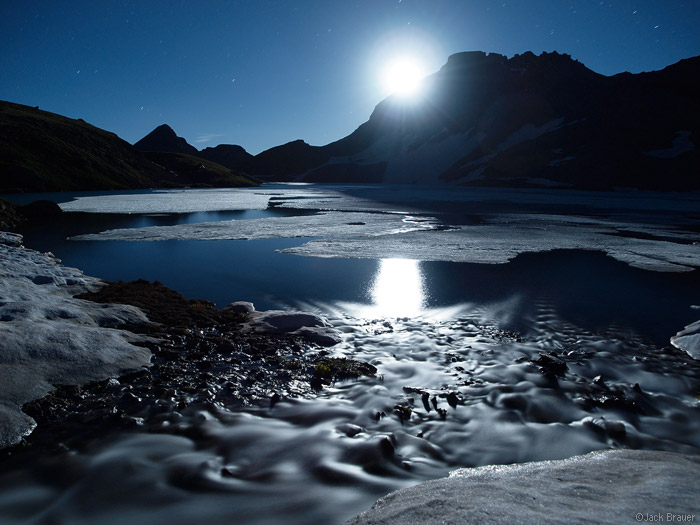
pixel 192 171
pixel 42 151
pixel 526 121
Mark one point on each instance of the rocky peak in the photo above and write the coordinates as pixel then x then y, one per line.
pixel 164 139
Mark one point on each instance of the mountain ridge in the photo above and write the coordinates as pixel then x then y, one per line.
pixel 42 151
pixel 530 120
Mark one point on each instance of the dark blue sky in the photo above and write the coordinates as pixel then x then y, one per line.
pixel 262 73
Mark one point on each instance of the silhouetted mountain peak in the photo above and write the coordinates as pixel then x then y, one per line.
pixel 164 139
pixel 230 155
pixel 469 59
pixel 533 120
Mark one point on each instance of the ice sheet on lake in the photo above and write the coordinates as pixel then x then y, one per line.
pixel 322 224
pixel 506 236
pixel 229 199
pixel 171 201
pixel 48 337
pixel 499 239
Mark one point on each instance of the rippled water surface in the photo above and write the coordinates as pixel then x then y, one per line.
pixel 550 355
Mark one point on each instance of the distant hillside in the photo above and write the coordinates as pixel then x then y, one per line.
pixel 163 139
pixel 42 151
pixel 526 121
pixel 188 170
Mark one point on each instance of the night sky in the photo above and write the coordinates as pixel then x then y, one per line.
pixel 262 73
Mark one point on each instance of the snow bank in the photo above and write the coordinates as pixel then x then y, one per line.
pixel 688 340
pixel 613 486
pixel 48 337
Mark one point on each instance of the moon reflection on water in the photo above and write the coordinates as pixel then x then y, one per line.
pixel 398 289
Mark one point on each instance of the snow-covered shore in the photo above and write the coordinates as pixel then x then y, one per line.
pixel 48 337
pixel 611 486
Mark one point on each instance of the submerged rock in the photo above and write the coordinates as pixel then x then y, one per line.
pixel 40 208
pixel 626 486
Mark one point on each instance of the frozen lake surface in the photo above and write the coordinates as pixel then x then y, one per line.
pixel 454 294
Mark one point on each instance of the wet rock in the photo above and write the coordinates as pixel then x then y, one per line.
pixel 349 430
pixel 309 326
pixel 320 335
pixel 425 400
pixel 378 415
pixel 375 455
pixel 403 412
pixel 163 305
pixel 452 400
pixel 551 365
pixel 10 217
pixel 330 369
pixel 240 307
pixel 613 429
pixel 433 400
pixel 40 208
pixel 280 321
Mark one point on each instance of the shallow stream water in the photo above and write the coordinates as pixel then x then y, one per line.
pixel 551 355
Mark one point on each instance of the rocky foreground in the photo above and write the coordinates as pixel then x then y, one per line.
pixel 82 357
pixel 139 357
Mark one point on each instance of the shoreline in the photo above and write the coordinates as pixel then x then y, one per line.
pixel 267 356
pixel 608 486
pixel 55 319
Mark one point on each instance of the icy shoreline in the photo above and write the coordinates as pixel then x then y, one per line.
pixel 49 337
pixel 611 486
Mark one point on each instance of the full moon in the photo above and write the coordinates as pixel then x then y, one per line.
pixel 403 77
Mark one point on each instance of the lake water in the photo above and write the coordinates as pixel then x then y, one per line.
pixel 424 282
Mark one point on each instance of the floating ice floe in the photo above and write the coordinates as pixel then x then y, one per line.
pixel 48 337
pixel 170 201
pixel 502 238
pixel 382 235
pixel 359 221
pixel 322 224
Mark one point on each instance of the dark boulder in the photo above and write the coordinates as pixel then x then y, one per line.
pixel 40 208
